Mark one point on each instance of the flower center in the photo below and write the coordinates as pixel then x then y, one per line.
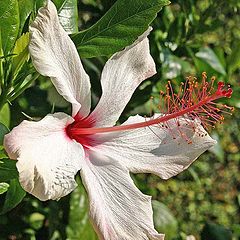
pixel 192 101
pixel 85 140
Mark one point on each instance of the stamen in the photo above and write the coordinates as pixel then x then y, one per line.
pixel 193 100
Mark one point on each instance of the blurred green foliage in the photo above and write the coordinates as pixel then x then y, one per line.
pixel 188 37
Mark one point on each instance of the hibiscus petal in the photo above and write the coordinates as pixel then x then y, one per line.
pixel 47 159
pixel 121 75
pixel 54 54
pixel 118 210
pixel 156 149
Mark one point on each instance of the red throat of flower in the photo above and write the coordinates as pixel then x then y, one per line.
pixel 193 100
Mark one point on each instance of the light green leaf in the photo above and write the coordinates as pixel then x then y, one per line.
pixel 164 221
pixel 3 130
pixel 208 55
pixel 1 64
pixel 79 226
pixel 14 196
pixel 8 170
pixel 21 51
pixel 9 22
pixel 3 187
pixel 5 115
pixel 68 15
pixel 118 28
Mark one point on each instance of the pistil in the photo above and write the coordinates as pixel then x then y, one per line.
pixel 193 101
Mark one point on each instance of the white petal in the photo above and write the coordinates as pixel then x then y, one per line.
pixel 154 149
pixel 47 159
pixel 121 75
pixel 54 54
pixel 118 210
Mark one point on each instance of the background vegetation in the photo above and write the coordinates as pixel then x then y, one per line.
pixel 188 37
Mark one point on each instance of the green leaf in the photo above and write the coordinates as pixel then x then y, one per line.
pixel 164 221
pixel 234 59
pixel 25 9
pixel 55 99
pixel 1 63
pixel 3 187
pixel 79 226
pixel 8 170
pixel 2 154
pixel 21 51
pixel 59 3
pixel 40 3
pixel 3 130
pixel 68 15
pixel 5 116
pixel 118 28
pixel 14 196
pixel 215 232
pixel 208 55
pixel 173 66
pixel 9 22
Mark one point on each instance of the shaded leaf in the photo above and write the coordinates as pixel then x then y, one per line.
pixel 9 22
pixel 8 170
pixel 3 130
pixel 164 221
pixel 3 187
pixel 208 55
pixel 215 232
pixel 79 226
pixel 55 99
pixel 14 196
pixel 118 28
pixel 174 66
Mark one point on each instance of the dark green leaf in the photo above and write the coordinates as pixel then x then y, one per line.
pixel 208 55
pixel 25 9
pixel 3 130
pixel 9 22
pixel 164 221
pixel 79 226
pixel 8 170
pixel 59 3
pixel 119 27
pixel 215 232
pixel 3 187
pixel 14 196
